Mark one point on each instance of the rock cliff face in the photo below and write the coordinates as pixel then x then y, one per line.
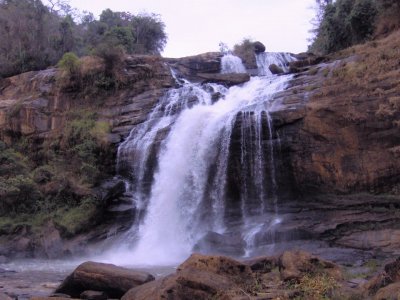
pixel 32 104
pixel 338 123
pixel 341 120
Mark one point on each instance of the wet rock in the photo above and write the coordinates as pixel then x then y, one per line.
pixel 190 66
pixel 258 47
pixel 112 189
pixel 215 97
pixel 305 60
pixel 93 295
pixel 228 79
pixel 295 264
pixel 275 69
pixel 108 278
pixel 59 295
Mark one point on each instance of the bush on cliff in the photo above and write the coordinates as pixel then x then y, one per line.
pixel 56 180
pixel 92 74
pixel 245 50
pixel 18 191
pixel 343 23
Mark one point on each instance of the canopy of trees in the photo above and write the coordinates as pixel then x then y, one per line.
pixel 34 36
pixel 343 23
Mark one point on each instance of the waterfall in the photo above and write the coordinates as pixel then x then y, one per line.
pixel 232 64
pixel 281 60
pixel 201 164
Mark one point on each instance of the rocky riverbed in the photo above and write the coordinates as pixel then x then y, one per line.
pixel 27 278
pixel 288 275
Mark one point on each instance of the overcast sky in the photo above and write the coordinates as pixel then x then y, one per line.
pixel 197 26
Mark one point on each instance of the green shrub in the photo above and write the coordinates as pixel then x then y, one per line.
pixel 12 163
pixel 77 219
pixel 316 287
pixel 18 194
pixel 69 63
pixel 362 18
pixel 112 55
pixel 43 174
pixel 343 24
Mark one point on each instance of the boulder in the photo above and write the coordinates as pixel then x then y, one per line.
pixel 190 66
pixel 393 270
pixel 185 284
pixel 376 283
pixel 275 69
pixel 108 278
pixel 258 47
pixel 295 264
pixel 220 265
pixel 228 79
pixel 390 275
pixel 199 277
pixel 4 297
pixel 390 292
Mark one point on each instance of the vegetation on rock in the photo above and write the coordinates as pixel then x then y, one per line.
pixel 57 178
pixel 245 50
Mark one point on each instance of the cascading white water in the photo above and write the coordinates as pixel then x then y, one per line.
pixel 280 59
pixel 188 191
pixel 232 64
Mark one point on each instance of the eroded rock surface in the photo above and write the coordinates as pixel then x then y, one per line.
pixel 110 279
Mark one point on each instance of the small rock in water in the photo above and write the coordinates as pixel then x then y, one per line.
pixel 50 285
pixel 275 69
pixel 59 295
pixel 94 295
pixel 4 297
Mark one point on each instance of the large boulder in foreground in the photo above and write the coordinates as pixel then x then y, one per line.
pixel 295 264
pixel 199 277
pixel 386 283
pixel 108 278
pixel 389 292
